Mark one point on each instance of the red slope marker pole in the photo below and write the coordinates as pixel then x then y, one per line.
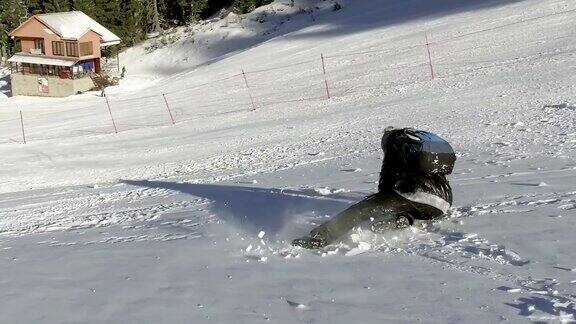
pixel 168 107
pixel 22 125
pixel 429 58
pixel 111 117
pixel 249 90
pixel 325 76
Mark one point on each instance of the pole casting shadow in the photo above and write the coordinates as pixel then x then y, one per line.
pixel 257 208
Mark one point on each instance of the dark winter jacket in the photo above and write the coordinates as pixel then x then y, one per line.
pixel 426 187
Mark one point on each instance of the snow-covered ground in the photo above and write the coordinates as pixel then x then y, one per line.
pixel 190 223
pixel 4 83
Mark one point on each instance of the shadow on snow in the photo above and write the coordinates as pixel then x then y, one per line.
pixel 257 208
pixel 384 13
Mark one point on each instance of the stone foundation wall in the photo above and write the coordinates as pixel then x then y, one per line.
pixel 48 86
pixel 82 85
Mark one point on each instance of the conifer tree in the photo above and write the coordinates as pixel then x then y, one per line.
pixel 134 21
pixel 89 7
pixel 244 6
pixel 197 7
pixel 34 6
pixel 13 13
pixel 55 5
pixel 129 19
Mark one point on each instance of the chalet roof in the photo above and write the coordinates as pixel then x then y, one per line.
pixel 75 24
pixel 41 60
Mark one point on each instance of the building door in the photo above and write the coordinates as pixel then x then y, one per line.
pixel 39 45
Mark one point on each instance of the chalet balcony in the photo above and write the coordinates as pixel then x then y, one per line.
pixel 64 68
pixel 40 75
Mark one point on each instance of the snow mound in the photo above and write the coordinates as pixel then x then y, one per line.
pixel 185 48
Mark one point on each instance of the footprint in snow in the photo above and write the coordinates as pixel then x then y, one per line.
pixel 541 184
pixel 351 170
pixel 296 305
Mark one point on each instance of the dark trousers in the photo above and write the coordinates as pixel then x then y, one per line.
pixel 382 207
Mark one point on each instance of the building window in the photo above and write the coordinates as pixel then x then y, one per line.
pixel 39 45
pixel 86 49
pixel 72 49
pixel 58 48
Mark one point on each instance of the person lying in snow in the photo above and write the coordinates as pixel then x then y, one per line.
pixel 412 186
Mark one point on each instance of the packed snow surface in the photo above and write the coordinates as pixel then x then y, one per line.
pixel 191 221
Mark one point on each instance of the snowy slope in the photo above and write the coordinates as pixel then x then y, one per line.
pixel 161 223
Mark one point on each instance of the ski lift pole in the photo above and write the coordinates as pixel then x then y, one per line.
pixel 168 108
pixel 325 76
pixel 22 125
pixel 249 90
pixel 111 116
pixel 429 58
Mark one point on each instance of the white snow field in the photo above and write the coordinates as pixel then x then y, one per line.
pixel 191 222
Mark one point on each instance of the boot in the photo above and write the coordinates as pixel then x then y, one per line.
pixel 400 221
pixel 316 240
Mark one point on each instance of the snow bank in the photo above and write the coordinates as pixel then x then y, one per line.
pixel 185 48
pixel 4 84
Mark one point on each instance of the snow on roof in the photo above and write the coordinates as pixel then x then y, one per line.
pixel 43 60
pixel 74 24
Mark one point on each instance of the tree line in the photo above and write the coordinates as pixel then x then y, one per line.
pixel 131 20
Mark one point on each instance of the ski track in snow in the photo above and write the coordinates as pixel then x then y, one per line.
pixel 451 249
pixel 456 251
